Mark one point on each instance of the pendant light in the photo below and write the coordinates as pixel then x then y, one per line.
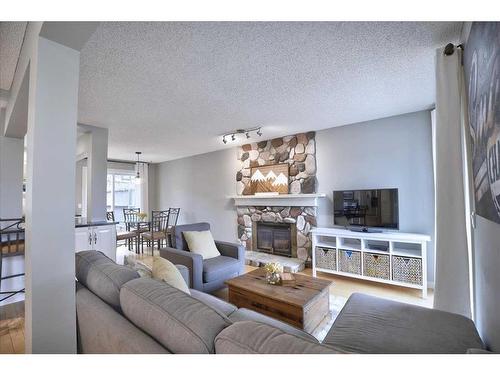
pixel 137 168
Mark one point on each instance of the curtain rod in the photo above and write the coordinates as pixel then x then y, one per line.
pixel 449 49
pixel 126 161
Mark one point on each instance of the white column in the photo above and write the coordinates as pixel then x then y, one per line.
pixel 50 318
pixel 97 169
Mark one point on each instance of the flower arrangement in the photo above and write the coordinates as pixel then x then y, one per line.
pixel 273 267
pixel 273 273
pixel 142 215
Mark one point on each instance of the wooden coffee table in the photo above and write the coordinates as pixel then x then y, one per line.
pixel 303 305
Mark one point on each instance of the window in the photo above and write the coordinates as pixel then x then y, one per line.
pixel 122 192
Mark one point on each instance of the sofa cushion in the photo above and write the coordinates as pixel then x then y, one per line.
pixel 102 276
pixel 165 271
pixel 245 315
pixel 259 338
pixel 179 240
pixel 369 324
pixel 179 322
pixel 215 303
pixel 201 242
pixel 219 268
pixel 102 330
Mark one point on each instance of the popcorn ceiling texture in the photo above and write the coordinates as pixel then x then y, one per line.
pixel 170 89
pixel 299 152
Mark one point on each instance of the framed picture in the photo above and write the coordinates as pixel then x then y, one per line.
pixel 269 179
pixel 482 74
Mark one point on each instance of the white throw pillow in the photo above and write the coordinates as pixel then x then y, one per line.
pixel 201 242
pixel 166 271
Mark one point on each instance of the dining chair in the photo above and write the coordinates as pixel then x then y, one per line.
pixel 173 216
pixel 157 230
pixel 132 224
pixel 127 235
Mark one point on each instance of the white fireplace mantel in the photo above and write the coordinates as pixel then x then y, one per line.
pixel 283 200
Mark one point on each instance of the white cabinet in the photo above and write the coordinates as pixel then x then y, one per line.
pixel 101 238
pixel 388 257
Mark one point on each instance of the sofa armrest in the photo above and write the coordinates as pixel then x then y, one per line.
pixel 194 262
pixel 184 272
pixel 232 250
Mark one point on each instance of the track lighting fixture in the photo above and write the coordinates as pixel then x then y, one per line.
pixel 247 132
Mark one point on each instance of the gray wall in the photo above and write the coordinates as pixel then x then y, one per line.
pixel 199 185
pixel 394 152
pixel 391 152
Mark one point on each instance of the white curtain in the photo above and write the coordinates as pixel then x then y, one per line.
pixel 143 188
pixel 452 285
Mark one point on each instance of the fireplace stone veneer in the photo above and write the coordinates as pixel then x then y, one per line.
pixel 303 219
pixel 299 152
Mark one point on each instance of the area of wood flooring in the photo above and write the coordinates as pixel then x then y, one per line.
pixel 12 328
pixel 12 315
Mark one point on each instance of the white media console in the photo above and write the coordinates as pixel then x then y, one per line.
pixel 388 257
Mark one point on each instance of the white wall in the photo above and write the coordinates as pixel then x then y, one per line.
pixel 394 152
pixel 199 185
pixel 391 152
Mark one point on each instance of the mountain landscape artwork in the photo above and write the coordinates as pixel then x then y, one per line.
pixel 269 179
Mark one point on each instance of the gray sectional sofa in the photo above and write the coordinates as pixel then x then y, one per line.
pixel 119 312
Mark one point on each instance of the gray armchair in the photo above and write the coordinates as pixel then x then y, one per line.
pixel 206 275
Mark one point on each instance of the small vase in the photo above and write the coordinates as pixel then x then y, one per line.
pixel 273 278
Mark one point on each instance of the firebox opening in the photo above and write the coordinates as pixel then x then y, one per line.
pixel 274 238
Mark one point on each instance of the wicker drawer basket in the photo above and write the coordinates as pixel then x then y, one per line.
pixel 376 265
pixel 407 269
pixel 350 261
pixel 326 258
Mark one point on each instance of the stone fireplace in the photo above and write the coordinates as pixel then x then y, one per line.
pixel 289 216
pixel 275 238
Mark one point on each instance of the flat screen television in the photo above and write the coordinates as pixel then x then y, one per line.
pixel 371 208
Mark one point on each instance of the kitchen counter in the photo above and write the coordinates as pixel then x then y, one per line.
pixel 83 222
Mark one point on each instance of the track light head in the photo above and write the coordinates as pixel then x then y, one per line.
pixel 233 138
pixel 247 134
pixel 224 139
pixel 259 132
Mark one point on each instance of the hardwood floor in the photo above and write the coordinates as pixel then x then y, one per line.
pixel 12 315
pixel 12 328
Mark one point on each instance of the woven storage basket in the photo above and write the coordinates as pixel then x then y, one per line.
pixel 407 269
pixel 326 258
pixel 350 261
pixel 376 265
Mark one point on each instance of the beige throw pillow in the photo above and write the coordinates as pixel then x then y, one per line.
pixel 166 271
pixel 201 242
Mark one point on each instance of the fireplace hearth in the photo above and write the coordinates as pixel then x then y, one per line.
pixel 275 238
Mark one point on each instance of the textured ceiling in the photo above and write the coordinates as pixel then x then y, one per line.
pixel 170 89
pixel 11 38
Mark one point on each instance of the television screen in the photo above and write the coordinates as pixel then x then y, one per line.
pixel 377 208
